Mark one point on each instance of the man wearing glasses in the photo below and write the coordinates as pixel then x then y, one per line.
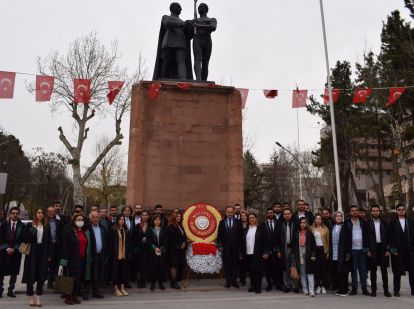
pixel 402 249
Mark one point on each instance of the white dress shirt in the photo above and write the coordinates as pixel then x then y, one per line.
pixel 402 222
pixel 377 225
pixel 250 238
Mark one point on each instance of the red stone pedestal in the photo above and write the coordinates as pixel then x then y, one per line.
pixel 185 147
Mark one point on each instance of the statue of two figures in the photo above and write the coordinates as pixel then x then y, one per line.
pixel 173 59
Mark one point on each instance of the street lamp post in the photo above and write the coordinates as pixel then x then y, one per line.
pixel 299 165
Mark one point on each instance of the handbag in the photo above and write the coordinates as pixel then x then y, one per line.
pixel 294 274
pixel 24 248
pixel 64 285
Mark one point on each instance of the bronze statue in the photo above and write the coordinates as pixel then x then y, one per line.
pixel 174 52
pixel 202 44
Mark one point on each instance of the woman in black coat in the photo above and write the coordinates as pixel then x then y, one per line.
pixel 157 242
pixel 304 255
pixel 340 246
pixel 37 234
pixel 119 253
pixel 141 250
pixel 244 220
pixel 402 249
pixel 177 243
pixel 76 256
pixel 254 252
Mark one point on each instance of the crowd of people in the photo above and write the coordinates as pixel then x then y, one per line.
pixel 292 251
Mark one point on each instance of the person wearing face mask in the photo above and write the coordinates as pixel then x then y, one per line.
pixel 76 256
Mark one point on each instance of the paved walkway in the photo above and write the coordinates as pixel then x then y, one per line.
pixel 208 294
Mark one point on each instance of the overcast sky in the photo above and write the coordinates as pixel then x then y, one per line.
pixel 274 44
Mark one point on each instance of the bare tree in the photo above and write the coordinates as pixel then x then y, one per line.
pixel 87 58
pixel 110 174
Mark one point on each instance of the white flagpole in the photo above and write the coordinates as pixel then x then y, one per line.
pixel 331 107
pixel 300 167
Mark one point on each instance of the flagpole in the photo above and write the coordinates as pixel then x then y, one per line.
pixel 300 168
pixel 331 108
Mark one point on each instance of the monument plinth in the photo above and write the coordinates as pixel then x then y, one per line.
pixel 185 147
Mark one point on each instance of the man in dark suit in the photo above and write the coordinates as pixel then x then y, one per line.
pixel 237 211
pixel 99 245
pixel 301 212
pixel 113 213
pixel 64 220
pixel 271 236
pixel 278 212
pixel 11 234
pixel 378 254
pixel 56 231
pixel 327 218
pixel 228 242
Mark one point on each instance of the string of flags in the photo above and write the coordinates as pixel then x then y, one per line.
pixel 82 91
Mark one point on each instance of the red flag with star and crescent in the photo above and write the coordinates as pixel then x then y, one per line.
pixel 395 94
pixel 335 96
pixel 361 95
pixel 7 84
pixel 114 88
pixel 153 90
pixel 270 93
pixel 243 93
pixel 299 98
pixel 44 88
pixel 82 91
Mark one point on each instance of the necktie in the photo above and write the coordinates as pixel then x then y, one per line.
pixel 12 234
pixel 229 223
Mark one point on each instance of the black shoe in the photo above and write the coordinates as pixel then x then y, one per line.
pixel 243 283
pixel 128 285
pixel 250 290
pixel 258 291
pixel 86 297
pixel 279 288
pixel 152 288
pixel 286 290
pixel 374 293
pixel 97 296
pixel 397 294
pixel 50 286
pixel 387 294
pixel 236 285
pixel 269 288
pixel 161 286
pixel 174 285
pixel 11 294
pixel 353 292
pixel 296 291
pixel 365 292
pixel 227 285
pixel 412 293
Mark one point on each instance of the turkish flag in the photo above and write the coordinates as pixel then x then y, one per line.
pixel 184 86
pixel 153 90
pixel 114 88
pixel 335 96
pixel 82 91
pixel 44 87
pixel 299 98
pixel 270 94
pixel 243 93
pixel 7 84
pixel 395 94
pixel 361 95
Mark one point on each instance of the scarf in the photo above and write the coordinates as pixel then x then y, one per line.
pixel 302 238
pixel 121 244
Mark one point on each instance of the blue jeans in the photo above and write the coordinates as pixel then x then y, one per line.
pixel 359 263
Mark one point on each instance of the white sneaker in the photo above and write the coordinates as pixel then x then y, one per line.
pixel 323 290
pixel 318 290
pixel 368 283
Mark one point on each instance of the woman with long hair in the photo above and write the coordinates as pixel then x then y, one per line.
pixel 244 219
pixel 321 234
pixel 157 242
pixel 119 252
pixel 141 249
pixel 304 254
pixel 340 246
pixel 177 243
pixel 37 235
pixel 76 256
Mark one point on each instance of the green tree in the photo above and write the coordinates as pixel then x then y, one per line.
pixel 253 187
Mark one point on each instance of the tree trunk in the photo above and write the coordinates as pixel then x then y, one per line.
pixel 78 195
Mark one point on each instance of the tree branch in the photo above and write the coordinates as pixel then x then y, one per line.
pixel 65 142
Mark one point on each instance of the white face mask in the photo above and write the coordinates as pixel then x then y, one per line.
pixel 80 224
